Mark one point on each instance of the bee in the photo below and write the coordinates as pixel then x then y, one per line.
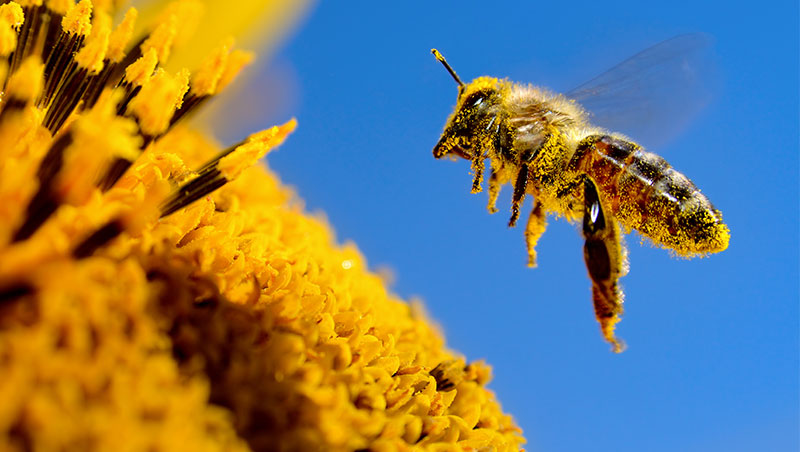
pixel 544 145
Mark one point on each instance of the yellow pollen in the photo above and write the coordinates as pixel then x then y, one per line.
pixel 237 60
pixel 26 82
pixel 206 79
pixel 161 39
pixel 156 102
pixel 11 14
pixel 98 136
pixel 92 54
pixel 121 138
pixel 78 19
pixel 140 71
pixel 8 41
pixel 189 11
pixel 11 18
pixel 183 79
pixel 121 36
pixel 144 211
pixel 257 146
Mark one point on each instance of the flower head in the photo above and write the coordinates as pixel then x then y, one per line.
pixel 158 293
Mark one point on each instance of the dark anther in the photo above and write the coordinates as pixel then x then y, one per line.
pixel 98 239
pixel 14 292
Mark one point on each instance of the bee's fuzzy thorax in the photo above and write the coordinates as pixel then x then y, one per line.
pixel 525 93
pixel 529 101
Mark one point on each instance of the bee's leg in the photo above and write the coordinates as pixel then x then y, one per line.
pixel 537 222
pixel 477 170
pixel 605 262
pixel 520 186
pixel 494 191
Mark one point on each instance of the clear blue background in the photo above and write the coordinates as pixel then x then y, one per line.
pixel 712 362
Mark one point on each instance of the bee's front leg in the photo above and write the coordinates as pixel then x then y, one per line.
pixel 604 257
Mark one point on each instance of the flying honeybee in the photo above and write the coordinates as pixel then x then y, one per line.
pixel 544 145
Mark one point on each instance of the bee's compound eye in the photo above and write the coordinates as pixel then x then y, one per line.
pixel 476 100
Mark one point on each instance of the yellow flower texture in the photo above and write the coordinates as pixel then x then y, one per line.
pixel 158 293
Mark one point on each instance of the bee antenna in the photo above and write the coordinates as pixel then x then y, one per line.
pixel 447 66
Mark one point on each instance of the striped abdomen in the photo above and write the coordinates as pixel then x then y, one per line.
pixel 645 193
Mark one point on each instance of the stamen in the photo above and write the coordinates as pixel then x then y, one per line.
pixel 89 62
pixel 136 75
pixel 161 39
pixel 25 84
pixel 76 25
pixel 115 53
pixel 99 238
pixel 50 28
pixel 204 82
pixel 78 19
pixel 91 56
pixel 68 172
pixel 237 60
pixel 121 36
pixel 44 202
pixel 152 106
pixel 11 14
pixel 11 19
pixel 215 72
pixel 155 104
pixel 226 167
pixel 99 136
pixel 14 292
pixel 24 87
pixel 28 32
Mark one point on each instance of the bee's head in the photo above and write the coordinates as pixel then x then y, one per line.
pixel 472 128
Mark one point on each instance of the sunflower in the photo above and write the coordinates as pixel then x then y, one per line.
pixel 159 291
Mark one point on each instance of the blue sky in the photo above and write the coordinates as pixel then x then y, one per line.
pixel 712 359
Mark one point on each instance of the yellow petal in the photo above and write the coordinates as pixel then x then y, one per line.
pixel 256 25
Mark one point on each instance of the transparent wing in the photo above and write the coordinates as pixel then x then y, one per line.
pixel 654 94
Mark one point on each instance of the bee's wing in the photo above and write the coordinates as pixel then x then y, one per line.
pixel 654 94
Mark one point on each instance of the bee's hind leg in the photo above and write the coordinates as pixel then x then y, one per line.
pixel 603 253
pixel 537 223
